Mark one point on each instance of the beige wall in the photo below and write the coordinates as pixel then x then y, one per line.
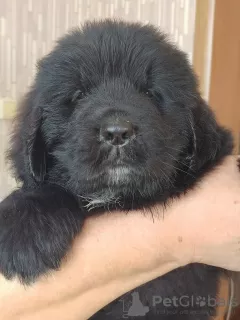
pixel 6 181
pixel 28 29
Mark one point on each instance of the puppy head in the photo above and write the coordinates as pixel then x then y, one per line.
pixel 115 112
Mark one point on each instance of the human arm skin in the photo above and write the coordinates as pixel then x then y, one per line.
pixel 117 252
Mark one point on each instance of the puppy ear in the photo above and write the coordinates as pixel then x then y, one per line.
pixel 35 146
pixel 211 141
pixel 28 152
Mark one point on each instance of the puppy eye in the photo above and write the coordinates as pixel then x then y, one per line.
pixel 79 94
pixel 147 93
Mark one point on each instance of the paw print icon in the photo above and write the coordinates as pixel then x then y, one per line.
pixel 201 301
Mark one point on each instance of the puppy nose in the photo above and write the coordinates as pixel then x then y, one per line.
pixel 117 133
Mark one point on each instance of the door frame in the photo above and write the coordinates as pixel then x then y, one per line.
pixel 216 59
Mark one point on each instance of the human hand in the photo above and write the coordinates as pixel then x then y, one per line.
pixel 208 219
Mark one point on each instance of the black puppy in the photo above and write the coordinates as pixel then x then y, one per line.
pixel 113 120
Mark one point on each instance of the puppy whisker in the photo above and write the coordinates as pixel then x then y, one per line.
pixel 178 169
pixel 177 160
pixel 175 149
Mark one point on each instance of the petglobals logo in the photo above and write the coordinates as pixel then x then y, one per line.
pixel 161 305
pixel 191 302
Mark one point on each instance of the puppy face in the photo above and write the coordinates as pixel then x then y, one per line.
pixel 113 114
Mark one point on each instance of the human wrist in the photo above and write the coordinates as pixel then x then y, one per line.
pixel 208 217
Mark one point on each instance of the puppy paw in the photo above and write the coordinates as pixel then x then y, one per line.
pixel 36 230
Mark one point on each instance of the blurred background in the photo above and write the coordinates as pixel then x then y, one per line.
pixel 207 30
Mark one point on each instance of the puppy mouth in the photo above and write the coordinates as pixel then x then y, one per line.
pixel 119 174
pixel 116 161
pixel 117 166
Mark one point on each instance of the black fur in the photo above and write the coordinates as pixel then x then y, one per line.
pixel 106 70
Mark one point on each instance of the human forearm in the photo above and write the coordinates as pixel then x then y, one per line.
pixel 113 254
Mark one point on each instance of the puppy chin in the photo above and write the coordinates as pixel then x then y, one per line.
pixel 118 179
pixel 119 175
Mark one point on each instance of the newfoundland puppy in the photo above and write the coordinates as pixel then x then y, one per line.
pixel 113 120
